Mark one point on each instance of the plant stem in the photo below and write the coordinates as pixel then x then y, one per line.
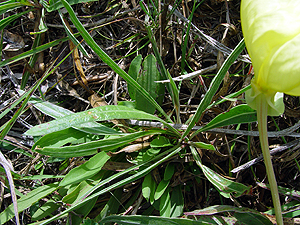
pixel 262 110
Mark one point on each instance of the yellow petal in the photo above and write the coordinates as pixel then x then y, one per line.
pixel 271 30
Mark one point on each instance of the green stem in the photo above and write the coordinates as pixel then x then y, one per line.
pixel 262 110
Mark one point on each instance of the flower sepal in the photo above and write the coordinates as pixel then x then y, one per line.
pixel 273 99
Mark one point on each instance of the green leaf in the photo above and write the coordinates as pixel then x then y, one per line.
pixel 86 170
pixel 102 113
pixel 169 171
pixel 56 111
pixel 288 208
pixel 244 215
pixel 74 196
pixel 48 108
pixel 252 219
pixel 171 87
pixel 28 200
pixel 42 176
pixel 76 191
pixel 45 210
pixel 127 104
pixel 148 220
pixel 239 114
pixel 134 70
pixel 165 204
pixel 148 188
pixel 222 184
pixel 147 79
pixel 150 153
pixel 202 145
pixel 89 221
pixel 161 188
pixel 92 147
pixel 59 138
pixel 160 142
pixel 56 4
pixel 177 202
pixel 100 188
pixel 72 37
pixel 282 190
pixel 6 21
pixel 32 51
pixel 31 62
pixel 9 6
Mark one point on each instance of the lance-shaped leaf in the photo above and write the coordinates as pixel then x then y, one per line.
pixel 102 113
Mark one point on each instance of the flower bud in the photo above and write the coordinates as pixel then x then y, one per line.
pixel 271 30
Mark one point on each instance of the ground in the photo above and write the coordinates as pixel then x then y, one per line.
pixel 82 82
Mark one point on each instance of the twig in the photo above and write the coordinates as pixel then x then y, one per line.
pixel 295 144
pixel 286 132
pixel 191 75
pixel 8 169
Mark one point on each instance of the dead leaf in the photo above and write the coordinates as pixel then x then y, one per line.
pixel 131 148
pixel 15 41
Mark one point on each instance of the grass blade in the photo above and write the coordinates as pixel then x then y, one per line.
pixel 171 87
pixel 10 19
pixel 71 36
pixel 214 86
pixel 32 51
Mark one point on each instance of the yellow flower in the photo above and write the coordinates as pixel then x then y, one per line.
pixel 272 35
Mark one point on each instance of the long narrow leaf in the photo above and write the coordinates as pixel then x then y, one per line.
pixel 171 87
pixel 4 22
pixel 149 220
pixel 214 86
pixel 55 5
pixel 10 6
pixel 239 114
pixel 71 36
pixel 102 113
pixel 32 51
pixel 31 62
pixel 56 111
pixel 245 215
pixel 222 184
pixel 92 147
